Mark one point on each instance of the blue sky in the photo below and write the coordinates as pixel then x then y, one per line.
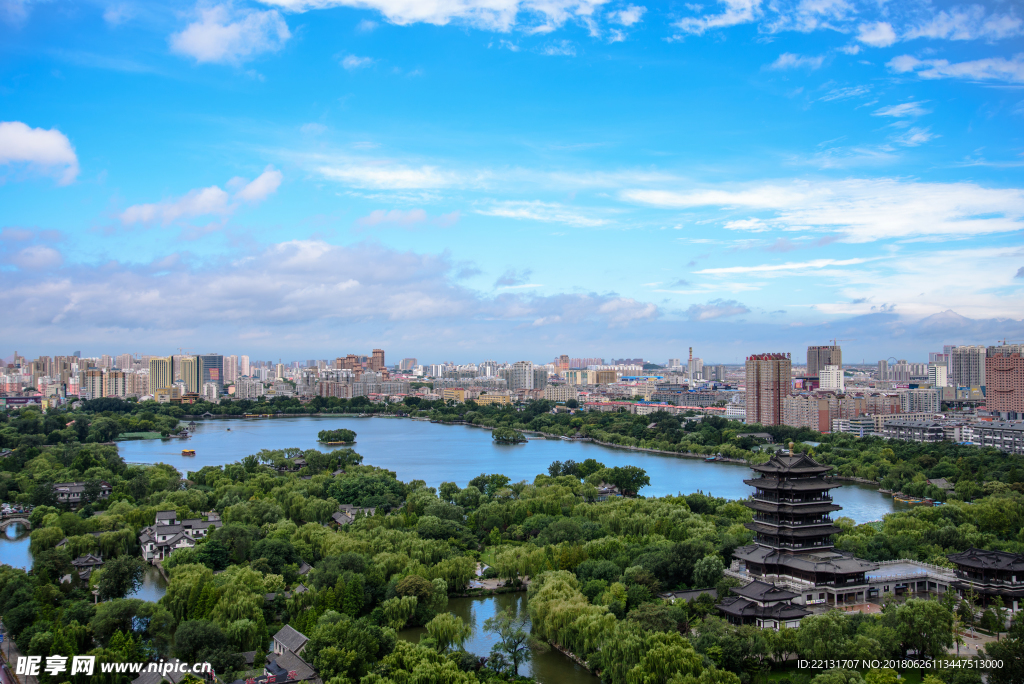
pixel 469 179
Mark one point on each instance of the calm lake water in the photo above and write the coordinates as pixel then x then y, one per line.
pixel 548 668
pixel 419 450
pixel 14 541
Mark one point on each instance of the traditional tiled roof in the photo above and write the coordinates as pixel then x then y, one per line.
pixel 797 464
pixel 738 606
pixel 283 663
pixel 989 560
pixel 764 592
pixel 818 562
pixel 291 639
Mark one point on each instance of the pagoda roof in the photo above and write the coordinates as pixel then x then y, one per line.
pixel 741 607
pixel 801 484
pixel 796 532
pixel 797 464
pixel 826 562
pixel 980 559
pixel 764 592
pixel 810 507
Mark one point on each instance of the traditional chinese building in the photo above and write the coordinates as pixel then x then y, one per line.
pixel 793 531
pixel 990 574
pixel 764 605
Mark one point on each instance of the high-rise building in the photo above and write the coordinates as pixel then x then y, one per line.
pixel 106 361
pixel 1004 372
pixel 769 379
pixel 900 372
pixel 967 366
pixel 540 377
pixel 160 375
pixel 279 372
pixel 831 378
pixel 920 400
pixel 377 360
pixel 190 373
pixel 114 384
pixel 820 356
pixel 717 373
pixel 520 375
pixel 123 361
pixel 937 373
pixel 883 371
pixel 211 369
pixel 673 363
pixel 407 364
pixel 243 365
pixel 92 384
pixel 695 368
pixel 230 369
pixel 562 363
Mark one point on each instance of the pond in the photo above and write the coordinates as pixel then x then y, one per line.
pixel 550 667
pixel 420 450
pixel 14 541
pixel 153 588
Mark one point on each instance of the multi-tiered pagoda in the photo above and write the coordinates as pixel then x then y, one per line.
pixel 793 531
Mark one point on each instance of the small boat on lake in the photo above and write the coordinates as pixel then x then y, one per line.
pixel 188 452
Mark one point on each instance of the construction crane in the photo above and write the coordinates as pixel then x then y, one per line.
pixel 835 342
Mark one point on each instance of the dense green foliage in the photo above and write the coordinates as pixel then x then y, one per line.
pixel 595 568
pixel 343 436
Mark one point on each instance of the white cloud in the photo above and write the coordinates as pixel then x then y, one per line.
pixel 493 15
pixel 877 34
pixel 262 186
pixel 967 23
pixel 735 12
pixel 623 311
pixel 716 308
pixel 788 267
pixel 845 93
pixel 115 15
pixel 993 68
pixel 548 212
pixel 223 34
pixel 353 62
pixel 902 110
pixel 632 14
pixel 313 128
pixel 863 210
pixel 43 151
pixel 205 201
pixel 788 60
pixel 562 48
pixel 388 176
pixel 915 136
pixel 395 217
pixel 37 257
pixel 754 225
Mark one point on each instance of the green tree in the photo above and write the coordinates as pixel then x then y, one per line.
pixel 708 571
pixel 446 632
pixel 121 576
pixel 514 641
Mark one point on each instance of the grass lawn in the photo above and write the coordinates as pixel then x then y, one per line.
pixel 137 435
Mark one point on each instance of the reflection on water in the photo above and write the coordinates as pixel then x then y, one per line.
pixel 419 450
pixel 548 668
pixel 154 586
pixel 14 541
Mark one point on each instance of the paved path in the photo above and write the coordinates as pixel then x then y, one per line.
pixel 11 655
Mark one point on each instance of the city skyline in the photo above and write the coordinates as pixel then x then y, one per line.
pixel 509 179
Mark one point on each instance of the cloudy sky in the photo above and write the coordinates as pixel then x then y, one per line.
pixel 470 179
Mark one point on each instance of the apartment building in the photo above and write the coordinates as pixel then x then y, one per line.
pixel 769 379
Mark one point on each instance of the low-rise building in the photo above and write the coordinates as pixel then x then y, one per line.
pixel 915 430
pixel 166 535
pixel 990 574
pixel 456 394
pixel 493 398
pixel 1004 435
pixel 71 493
pixel 561 393
pixel 762 604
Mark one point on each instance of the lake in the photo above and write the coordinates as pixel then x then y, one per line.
pixel 14 541
pixel 420 450
pixel 550 667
